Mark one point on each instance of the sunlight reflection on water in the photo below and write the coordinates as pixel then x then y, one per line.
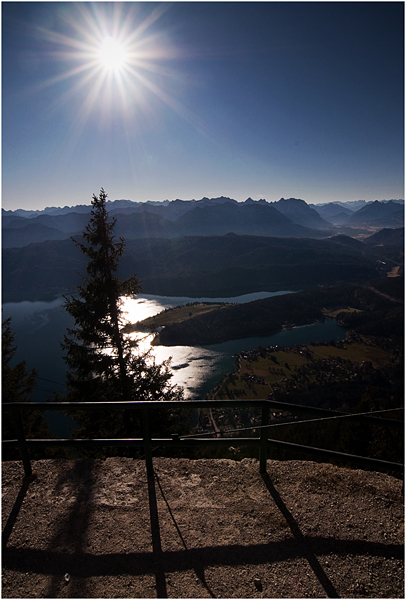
pixel 190 367
pixel 39 328
pixel 198 368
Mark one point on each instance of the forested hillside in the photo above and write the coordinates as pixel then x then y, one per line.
pixel 202 266
pixel 374 308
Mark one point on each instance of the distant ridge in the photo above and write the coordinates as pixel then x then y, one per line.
pixel 376 211
pixel 242 219
pixel 301 213
pixel 29 234
pixel 350 205
pixel 332 209
pixel 291 217
pixel 134 220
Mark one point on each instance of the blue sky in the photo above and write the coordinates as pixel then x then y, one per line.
pixel 238 99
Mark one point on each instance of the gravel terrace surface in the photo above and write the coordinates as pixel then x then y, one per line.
pixel 200 529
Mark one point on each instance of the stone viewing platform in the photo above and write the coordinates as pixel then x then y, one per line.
pixel 200 529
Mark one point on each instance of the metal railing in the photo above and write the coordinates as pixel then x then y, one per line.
pixel 262 441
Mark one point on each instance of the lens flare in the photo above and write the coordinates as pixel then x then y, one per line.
pixel 112 67
pixel 111 58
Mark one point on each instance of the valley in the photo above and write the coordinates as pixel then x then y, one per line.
pixel 349 272
pixel 362 373
pixel 357 375
pixel 276 372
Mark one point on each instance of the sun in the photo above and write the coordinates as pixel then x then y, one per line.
pixel 112 54
pixel 113 60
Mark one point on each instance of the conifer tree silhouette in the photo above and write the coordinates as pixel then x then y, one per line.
pixel 105 365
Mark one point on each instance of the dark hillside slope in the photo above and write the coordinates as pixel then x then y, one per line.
pixel 69 223
pixel 345 240
pixel 145 225
pixel 194 266
pixel 379 315
pixel 387 236
pixel 13 221
pixel 232 265
pixel 30 234
pixel 382 315
pixel 41 270
pixel 388 247
pixel 394 287
pixel 261 317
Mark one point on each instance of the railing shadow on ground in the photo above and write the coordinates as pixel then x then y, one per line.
pixel 62 555
pixel 307 552
pixel 141 563
pixel 71 532
pixel 12 518
pixel 55 560
pixel 156 540
pixel 70 536
pixel 197 566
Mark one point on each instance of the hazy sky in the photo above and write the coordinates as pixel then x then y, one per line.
pixel 183 100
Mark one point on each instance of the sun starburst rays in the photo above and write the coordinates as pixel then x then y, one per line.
pixel 109 64
pixel 112 78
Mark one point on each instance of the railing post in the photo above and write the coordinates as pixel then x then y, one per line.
pixel 263 448
pixel 146 434
pixel 22 443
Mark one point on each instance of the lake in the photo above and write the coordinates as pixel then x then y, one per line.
pixel 39 328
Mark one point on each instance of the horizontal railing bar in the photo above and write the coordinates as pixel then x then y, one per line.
pixel 342 456
pixel 137 405
pixel 133 404
pixel 69 442
pixel 164 442
pixel 194 442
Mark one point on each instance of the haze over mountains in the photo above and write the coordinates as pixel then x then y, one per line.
pixel 211 247
pixel 206 217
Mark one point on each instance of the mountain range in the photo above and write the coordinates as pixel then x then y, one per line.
pixel 292 218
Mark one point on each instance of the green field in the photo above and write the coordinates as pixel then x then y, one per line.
pixel 260 371
pixel 332 314
pixel 174 315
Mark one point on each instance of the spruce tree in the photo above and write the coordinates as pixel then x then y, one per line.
pixel 103 364
pixel 17 386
